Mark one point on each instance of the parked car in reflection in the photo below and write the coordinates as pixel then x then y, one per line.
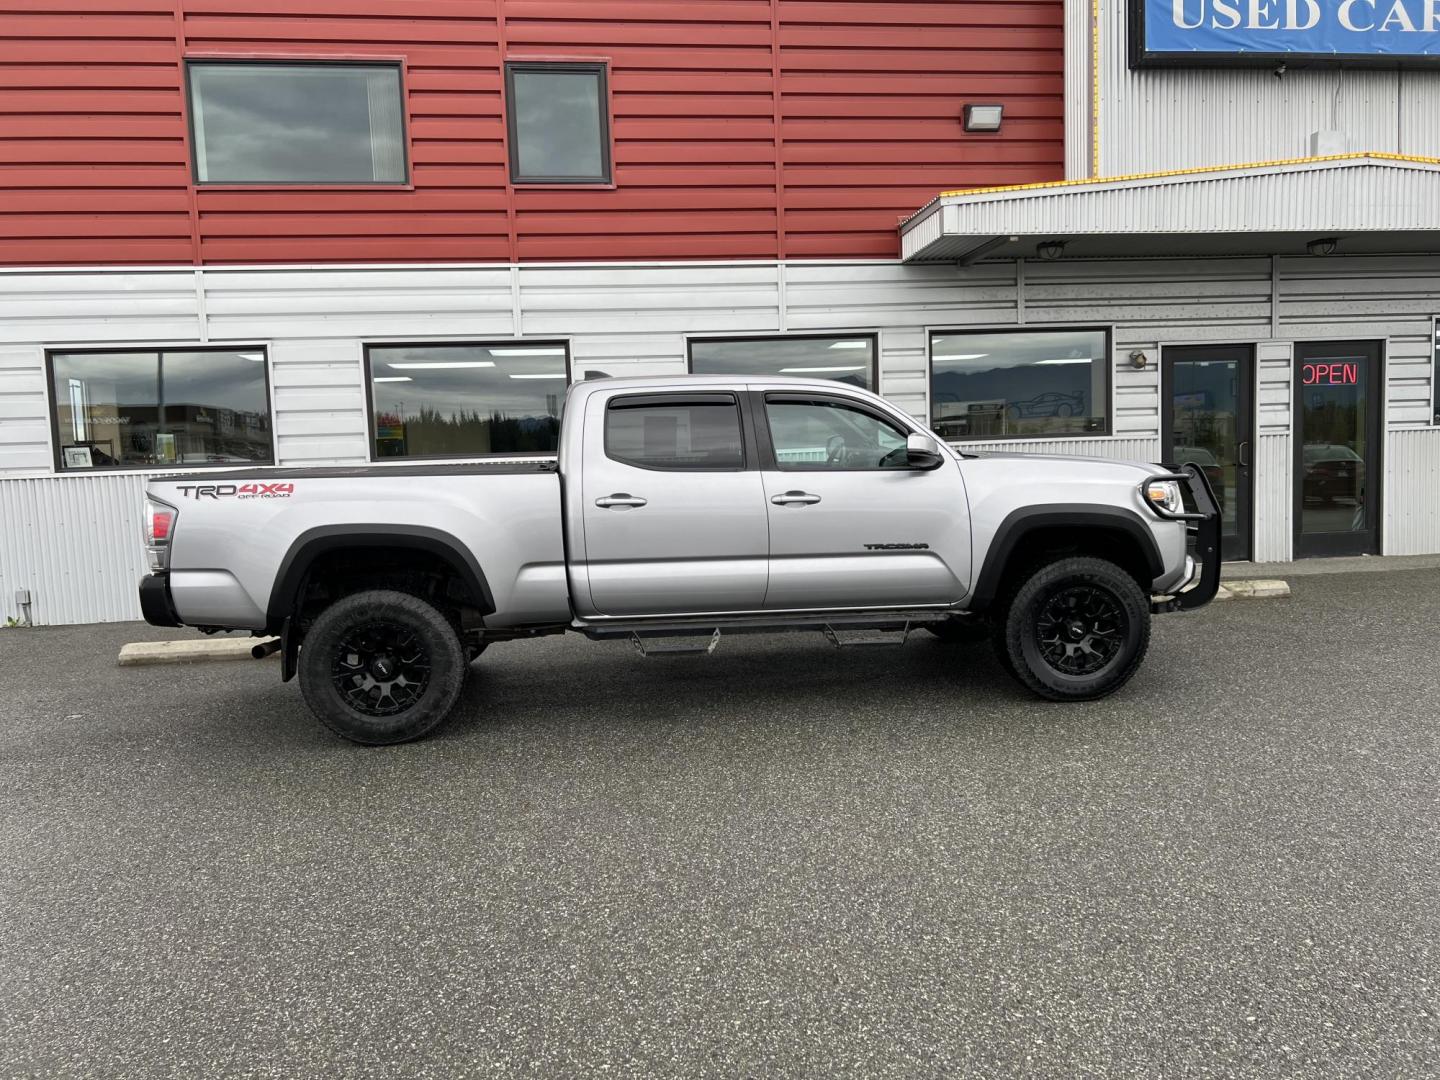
pixel 1332 471
pixel 1199 455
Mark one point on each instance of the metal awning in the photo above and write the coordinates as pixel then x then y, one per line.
pixel 1366 202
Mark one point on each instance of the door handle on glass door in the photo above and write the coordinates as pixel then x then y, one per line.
pixel 1242 455
pixel 802 498
pixel 621 499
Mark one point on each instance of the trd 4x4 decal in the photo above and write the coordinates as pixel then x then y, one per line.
pixel 279 490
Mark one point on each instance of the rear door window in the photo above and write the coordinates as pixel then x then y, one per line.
pixel 691 432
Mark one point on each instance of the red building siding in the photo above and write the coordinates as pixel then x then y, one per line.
pixel 742 128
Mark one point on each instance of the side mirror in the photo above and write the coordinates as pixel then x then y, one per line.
pixel 921 452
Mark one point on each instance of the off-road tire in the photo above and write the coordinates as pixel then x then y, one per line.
pixel 426 646
pixel 1107 597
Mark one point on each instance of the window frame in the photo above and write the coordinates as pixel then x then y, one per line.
pixel 726 339
pixel 511 343
pixel 396 62
pixel 679 398
pixel 1108 329
pixel 57 451
pixel 1435 372
pixel 599 67
pixel 771 459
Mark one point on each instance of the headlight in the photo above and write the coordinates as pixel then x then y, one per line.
pixel 1164 496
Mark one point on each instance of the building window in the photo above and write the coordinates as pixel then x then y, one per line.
pixel 1016 384
pixel 311 123
pixel 1435 375
pixel 558 116
pixel 177 407
pixel 466 400
pixel 849 359
pixel 698 432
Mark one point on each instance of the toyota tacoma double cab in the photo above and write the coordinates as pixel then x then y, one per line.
pixel 677 510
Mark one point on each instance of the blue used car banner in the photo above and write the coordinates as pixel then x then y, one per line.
pixel 1375 30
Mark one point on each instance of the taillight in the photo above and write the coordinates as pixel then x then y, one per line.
pixel 159 528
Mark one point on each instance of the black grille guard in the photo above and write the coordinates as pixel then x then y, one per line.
pixel 1202 528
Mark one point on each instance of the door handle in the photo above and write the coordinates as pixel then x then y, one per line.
pixel 620 498
pixel 1242 453
pixel 803 498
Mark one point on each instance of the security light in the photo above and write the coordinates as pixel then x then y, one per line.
pixel 1050 250
pixel 983 117
pixel 1324 246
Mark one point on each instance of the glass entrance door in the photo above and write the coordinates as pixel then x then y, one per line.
pixel 1337 448
pixel 1207 419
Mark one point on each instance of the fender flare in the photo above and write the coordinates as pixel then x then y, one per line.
pixel 313 543
pixel 1076 516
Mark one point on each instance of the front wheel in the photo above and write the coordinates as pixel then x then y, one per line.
pixel 1076 629
pixel 381 667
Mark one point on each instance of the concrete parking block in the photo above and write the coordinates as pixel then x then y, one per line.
pixel 206 650
pixel 1261 589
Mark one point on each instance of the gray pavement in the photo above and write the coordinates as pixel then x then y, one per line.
pixel 779 861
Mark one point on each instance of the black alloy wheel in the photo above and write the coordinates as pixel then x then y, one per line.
pixel 1081 629
pixel 381 669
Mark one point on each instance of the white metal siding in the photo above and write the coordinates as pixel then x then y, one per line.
pixel 1412 492
pixel 75 543
pixel 1156 119
pixel 635 319
pixel 1274 465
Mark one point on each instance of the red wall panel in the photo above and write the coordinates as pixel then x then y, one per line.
pixel 741 128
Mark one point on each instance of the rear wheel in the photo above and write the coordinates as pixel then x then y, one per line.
pixel 381 667
pixel 1076 629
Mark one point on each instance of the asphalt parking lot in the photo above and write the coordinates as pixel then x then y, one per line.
pixel 779 861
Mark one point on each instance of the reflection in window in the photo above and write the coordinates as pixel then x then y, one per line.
pixel 297 123
pixel 558 125
pixel 466 400
pixel 700 432
pixel 822 434
pixel 177 407
pixel 844 359
pixel 1013 384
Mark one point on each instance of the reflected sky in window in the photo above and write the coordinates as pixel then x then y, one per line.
pixel 558 125
pixel 338 123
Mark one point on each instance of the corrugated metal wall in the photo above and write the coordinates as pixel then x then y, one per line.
pixel 742 128
pixel 1412 506
pixel 75 543
pixel 1170 118
pixel 634 319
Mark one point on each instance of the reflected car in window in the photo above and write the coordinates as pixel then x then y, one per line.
pixel 1199 455
pixel 1332 471
pixel 1049 404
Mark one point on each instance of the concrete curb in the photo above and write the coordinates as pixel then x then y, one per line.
pixel 1262 589
pixel 142 653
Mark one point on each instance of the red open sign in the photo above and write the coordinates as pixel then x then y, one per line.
pixel 1332 373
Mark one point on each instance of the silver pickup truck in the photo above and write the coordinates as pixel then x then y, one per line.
pixel 679 509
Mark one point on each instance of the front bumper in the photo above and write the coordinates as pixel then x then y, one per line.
pixel 1202 560
pixel 155 601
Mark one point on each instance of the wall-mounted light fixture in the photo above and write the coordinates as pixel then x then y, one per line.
pixel 1324 246
pixel 983 117
pixel 1138 360
pixel 1050 250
